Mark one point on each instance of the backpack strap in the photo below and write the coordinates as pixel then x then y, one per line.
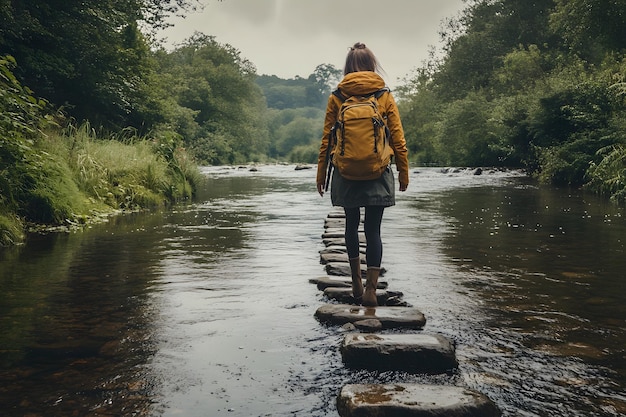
pixel 378 93
pixel 382 91
pixel 339 95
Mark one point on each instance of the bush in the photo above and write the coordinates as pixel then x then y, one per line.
pixel 608 177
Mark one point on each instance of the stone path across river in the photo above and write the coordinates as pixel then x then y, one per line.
pixel 409 351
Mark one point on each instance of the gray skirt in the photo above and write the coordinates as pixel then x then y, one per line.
pixel 350 193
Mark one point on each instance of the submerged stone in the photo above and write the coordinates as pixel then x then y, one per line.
pixel 390 317
pixel 399 352
pixel 407 400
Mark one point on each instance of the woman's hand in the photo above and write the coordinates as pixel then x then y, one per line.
pixel 403 187
pixel 320 189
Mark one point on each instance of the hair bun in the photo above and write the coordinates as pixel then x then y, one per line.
pixel 359 45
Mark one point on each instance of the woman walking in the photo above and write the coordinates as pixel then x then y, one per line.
pixel 362 79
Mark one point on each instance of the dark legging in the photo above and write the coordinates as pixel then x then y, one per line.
pixel 373 218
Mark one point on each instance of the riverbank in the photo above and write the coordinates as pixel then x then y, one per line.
pixel 74 178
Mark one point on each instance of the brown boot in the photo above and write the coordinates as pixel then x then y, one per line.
pixel 369 296
pixel 357 281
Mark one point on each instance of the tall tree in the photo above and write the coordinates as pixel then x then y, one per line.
pixel 88 56
pixel 492 29
pixel 591 27
pixel 218 86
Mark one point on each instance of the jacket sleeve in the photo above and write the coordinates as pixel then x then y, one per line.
pixel 398 142
pixel 329 122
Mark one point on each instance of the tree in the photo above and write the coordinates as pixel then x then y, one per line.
pixel 492 29
pixel 214 89
pixel 326 77
pixel 91 58
pixel 591 27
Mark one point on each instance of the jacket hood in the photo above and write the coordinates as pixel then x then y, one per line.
pixel 361 83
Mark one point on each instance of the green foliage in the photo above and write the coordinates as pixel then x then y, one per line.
pixel 34 184
pixel 305 154
pixel 11 230
pixel 92 60
pixel 532 84
pixel 590 28
pixel 608 177
pixel 292 130
pixel 421 113
pixel 300 92
pixel 467 133
pixel 212 101
pixel 131 174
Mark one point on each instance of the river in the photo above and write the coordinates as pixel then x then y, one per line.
pixel 205 309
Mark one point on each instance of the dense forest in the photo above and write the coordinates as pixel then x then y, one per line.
pixel 95 114
pixel 537 84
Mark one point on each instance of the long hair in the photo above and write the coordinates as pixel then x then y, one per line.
pixel 361 58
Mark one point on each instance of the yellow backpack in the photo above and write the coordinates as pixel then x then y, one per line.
pixel 359 141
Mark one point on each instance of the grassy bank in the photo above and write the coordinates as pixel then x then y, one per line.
pixel 74 177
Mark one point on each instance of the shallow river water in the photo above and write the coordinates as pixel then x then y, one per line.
pixel 205 309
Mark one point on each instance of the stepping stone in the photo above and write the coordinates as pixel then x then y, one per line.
pixel 340 241
pixel 344 295
pixel 334 234
pixel 339 249
pixel 326 282
pixel 333 225
pixel 334 249
pixel 339 226
pixel 418 353
pixel 390 317
pixel 368 326
pixel 408 400
pixel 336 215
pixel 342 269
pixel 337 257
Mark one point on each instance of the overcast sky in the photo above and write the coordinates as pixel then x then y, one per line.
pixel 290 38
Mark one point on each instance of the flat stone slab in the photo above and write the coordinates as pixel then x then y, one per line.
pixel 413 400
pixel 389 317
pixel 342 269
pixel 336 215
pixel 340 241
pixel 344 295
pixel 330 223
pixel 337 257
pixel 334 234
pixel 326 282
pixel 417 353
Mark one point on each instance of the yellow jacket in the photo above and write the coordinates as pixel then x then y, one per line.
pixel 363 83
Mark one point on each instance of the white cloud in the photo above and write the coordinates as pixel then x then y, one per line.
pixel 290 38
